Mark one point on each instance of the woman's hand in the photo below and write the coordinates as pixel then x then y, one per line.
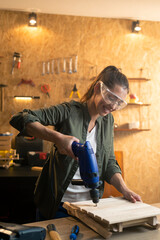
pixel 131 196
pixel 118 182
pixel 64 145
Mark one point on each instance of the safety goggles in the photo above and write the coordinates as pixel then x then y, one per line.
pixel 111 98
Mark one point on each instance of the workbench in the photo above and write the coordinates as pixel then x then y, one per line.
pixel 64 226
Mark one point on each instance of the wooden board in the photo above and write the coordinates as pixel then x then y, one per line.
pixel 114 214
pixel 5 142
pixel 5 147
pixel 5 138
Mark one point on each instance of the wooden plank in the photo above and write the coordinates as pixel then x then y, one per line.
pixel 5 147
pixel 5 138
pixel 118 211
pixel 5 143
pixel 101 228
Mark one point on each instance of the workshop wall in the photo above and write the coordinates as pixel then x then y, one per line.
pixel 97 42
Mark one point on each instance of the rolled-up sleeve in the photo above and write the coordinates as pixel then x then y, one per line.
pixel 46 116
pixel 113 167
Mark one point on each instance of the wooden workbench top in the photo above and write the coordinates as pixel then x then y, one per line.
pixel 64 226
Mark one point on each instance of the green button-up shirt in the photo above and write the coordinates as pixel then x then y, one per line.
pixel 71 119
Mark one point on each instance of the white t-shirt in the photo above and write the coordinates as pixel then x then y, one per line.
pixel 76 193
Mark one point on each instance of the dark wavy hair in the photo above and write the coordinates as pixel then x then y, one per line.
pixel 110 76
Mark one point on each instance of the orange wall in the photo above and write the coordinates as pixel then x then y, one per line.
pixel 98 42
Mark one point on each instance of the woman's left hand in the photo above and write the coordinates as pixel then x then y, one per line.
pixel 118 182
pixel 131 196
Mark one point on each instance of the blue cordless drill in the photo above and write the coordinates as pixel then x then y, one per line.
pixel 88 168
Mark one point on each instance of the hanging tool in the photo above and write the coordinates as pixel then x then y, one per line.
pixel 64 65
pixel 74 91
pixel 70 66
pixel 23 81
pixel 54 235
pixel 48 67
pixel 74 232
pixel 2 86
pixel 45 88
pixel 52 66
pixel 16 56
pixel 43 68
pixel 19 63
pixel 58 66
pixel 75 64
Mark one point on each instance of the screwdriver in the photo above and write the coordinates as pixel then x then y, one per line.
pixel 54 235
pixel 74 232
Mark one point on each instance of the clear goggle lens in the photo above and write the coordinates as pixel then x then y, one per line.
pixel 111 98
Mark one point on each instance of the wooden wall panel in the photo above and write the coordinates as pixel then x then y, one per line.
pixel 98 42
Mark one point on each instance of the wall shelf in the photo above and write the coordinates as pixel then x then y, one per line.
pixel 139 79
pixel 136 111
pixel 130 130
pixel 139 104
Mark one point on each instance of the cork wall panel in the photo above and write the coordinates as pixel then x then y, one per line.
pixel 98 42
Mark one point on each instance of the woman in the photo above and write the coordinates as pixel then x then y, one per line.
pixel 90 119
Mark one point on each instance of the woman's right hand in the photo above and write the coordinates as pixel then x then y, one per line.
pixel 64 145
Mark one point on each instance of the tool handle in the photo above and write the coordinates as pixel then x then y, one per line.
pixel 19 63
pixel 45 88
pixel 48 67
pixel 70 66
pixel 54 235
pixel 74 232
pixel 58 66
pixel 13 64
pixel 43 68
pixel 64 65
pixel 52 66
pixel 75 64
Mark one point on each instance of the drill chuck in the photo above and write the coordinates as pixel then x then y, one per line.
pixel 94 193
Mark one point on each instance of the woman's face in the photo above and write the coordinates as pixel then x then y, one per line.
pixel 107 100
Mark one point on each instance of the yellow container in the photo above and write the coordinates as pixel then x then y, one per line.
pixel 7 154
